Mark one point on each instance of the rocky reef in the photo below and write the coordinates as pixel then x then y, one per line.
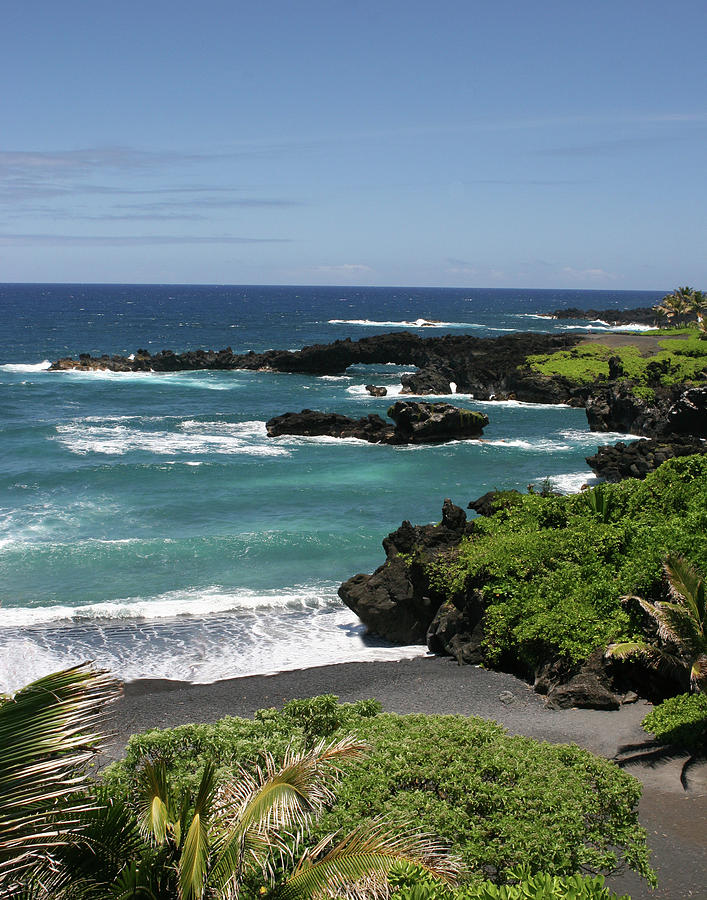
pixel 413 423
pixel 671 410
pixel 484 367
pixel 637 458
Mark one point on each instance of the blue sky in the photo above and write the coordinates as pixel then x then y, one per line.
pixel 504 144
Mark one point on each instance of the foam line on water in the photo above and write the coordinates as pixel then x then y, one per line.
pixel 192 438
pixel 173 604
pixel 405 323
pixel 26 367
pixel 199 649
pixel 570 482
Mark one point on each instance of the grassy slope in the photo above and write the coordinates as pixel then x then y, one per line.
pixel 679 359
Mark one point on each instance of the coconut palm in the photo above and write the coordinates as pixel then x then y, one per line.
pixel 676 305
pixel 681 626
pixel 60 840
pixel 256 824
pixel 48 735
pixel 698 305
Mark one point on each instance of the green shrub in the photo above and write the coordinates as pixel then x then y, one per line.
pixel 410 884
pixel 681 721
pixel 551 570
pixel 500 801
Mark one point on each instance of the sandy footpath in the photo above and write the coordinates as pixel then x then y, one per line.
pixel 676 820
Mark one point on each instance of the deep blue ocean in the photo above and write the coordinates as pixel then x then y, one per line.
pixel 148 523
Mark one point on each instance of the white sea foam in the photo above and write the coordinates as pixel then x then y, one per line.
pixel 633 326
pixel 208 380
pixel 405 323
pixel 570 483
pixel 595 438
pixel 531 316
pixel 172 604
pixel 200 636
pixel 26 367
pixel 396 390
pixel 544 445
pixel 520 404
pixel 245 438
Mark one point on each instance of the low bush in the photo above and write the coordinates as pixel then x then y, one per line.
pixel 682 721
pixel 500 801
pixel 409 884
pixel 551 570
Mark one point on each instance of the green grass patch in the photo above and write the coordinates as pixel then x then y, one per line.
pixel 680 360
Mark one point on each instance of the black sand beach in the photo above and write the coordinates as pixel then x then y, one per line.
pixel 676 820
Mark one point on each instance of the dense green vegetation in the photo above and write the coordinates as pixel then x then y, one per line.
pixel 681 359
pixel 551 570
pixel 499 801
pixel 409 884
pixel 682 721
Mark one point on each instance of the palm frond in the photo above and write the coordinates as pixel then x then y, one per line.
pixel 263 815
pixel 358 865
pixel 155 803
pixel 193 862
pixel 48 734
pixel 686 586
pixel 285 796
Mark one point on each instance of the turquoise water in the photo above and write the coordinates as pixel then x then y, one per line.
pixel 148 523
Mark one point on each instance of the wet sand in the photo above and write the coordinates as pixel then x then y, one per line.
pixel 676 820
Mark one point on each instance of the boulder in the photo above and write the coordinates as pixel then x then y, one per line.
pixel 490 502
pixel 376 391
pixel 458 632
pixel 419 422
pixel 587 688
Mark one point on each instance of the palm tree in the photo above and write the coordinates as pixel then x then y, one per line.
pixel 60 840
pixel 681 626
pixel 48 735
pixel 676 304
pixel 698 305
pixel 257 822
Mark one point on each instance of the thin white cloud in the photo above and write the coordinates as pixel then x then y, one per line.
pixel 103 240
pixel 345 268
pixel 583 274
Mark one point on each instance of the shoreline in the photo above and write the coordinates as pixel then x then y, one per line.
pixel 675 820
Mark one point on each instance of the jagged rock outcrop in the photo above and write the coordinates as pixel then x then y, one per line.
pixel 688 415
pixel 672 410
pixel 376 390
pixel 312 423
pixel 637 458
pixel 485 367
pixel 414 423
pixel 397 601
